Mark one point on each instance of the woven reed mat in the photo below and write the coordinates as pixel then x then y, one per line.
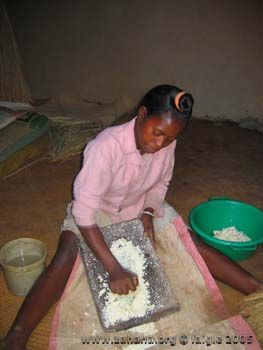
pixel 8 309
pixel 202 308
pixel 10 304
pixel 33 207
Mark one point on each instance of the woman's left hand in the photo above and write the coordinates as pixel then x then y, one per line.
pixel 147 221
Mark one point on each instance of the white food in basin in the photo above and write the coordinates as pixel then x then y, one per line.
pixel 231 234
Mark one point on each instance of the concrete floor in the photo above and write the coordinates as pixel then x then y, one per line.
pixel 211 160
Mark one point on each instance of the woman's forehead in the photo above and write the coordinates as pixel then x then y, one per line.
pixel 166 123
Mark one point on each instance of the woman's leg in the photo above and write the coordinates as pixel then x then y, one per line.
pixel 226 270
pixel 46 290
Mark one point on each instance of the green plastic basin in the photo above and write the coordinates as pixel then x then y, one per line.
pixel 219 213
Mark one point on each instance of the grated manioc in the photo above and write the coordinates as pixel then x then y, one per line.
pixel 134 304
pixel 231 234
pixel 146 329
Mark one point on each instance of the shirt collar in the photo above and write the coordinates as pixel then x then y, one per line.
pixel 129 143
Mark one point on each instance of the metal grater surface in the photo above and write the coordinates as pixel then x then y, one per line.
pixel 161 292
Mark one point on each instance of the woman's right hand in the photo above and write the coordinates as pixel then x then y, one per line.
pixel 122 281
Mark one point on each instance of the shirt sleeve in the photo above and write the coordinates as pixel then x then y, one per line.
pixel 156 195
pixel 91 183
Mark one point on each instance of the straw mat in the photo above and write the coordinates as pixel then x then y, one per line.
pixel 8 309
pixel 10 305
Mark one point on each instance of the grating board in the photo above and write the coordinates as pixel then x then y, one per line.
pixel 161 293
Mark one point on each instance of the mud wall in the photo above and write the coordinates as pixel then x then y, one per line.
pixel 105 49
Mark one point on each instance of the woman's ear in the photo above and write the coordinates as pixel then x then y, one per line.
pixel 142 113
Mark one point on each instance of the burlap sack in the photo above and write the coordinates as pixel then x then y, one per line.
pixel 201 322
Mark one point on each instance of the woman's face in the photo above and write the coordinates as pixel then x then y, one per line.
pixel 156 132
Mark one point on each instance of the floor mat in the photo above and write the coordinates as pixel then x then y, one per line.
pixel 202 306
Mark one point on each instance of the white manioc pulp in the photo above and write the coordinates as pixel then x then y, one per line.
pixel 134 304
pixel 231 234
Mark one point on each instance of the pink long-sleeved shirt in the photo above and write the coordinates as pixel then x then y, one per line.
pixel 118 180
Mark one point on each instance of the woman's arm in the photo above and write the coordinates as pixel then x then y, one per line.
pixel 156 195
pixel 121 281
pixel 147 221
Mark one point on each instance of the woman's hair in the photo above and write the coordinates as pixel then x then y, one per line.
pixel 168 98
pixel 160 100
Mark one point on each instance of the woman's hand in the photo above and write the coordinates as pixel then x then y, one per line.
pixel 122 281
pixel 147 221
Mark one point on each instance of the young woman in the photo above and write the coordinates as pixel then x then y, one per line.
pixel 125 174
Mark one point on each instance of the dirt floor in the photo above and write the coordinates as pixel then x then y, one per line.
pixel 211 160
